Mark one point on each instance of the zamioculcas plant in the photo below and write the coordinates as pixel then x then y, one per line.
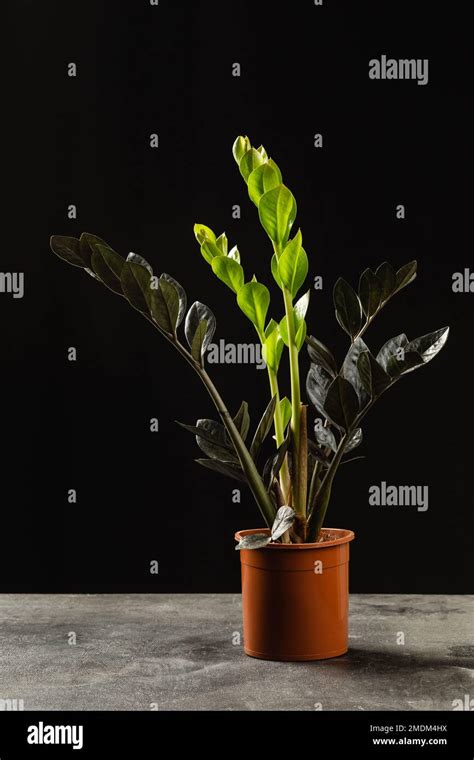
pixel 292 488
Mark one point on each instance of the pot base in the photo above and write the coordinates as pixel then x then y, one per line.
pixel 298 658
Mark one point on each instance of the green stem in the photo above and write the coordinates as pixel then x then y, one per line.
pixel 285 480
pixel 298 502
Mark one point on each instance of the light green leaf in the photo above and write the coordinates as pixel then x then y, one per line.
pixel 254 300
pixel 285 409
pixel 300 336
pixel 277 212
pixel 204 234
pixel 234 254
pixel 240 148
pixel 272 349
pixel 210 250
pixel 229 271
pixel 275 272
pixel 293 265
pixel 262 179
pixel 301 306
pixel 249 162
pixel 222 244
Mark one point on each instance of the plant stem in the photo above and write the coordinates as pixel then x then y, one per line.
pixel 298 503
pixel 285 480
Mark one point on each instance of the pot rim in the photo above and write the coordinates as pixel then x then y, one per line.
pixel 344 538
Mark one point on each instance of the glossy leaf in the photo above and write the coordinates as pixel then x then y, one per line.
pixel 406 361
pixel 373 377
pixel 325 436
pixel 253 541
pixel 350 370
pixel 254 300
pixel 262 179
pixel 213 435
pixel 354 441
pixel 272 349
pixel 341 405
pixel 388 280
pixel 301 306
pixel 293 265
pixel 319 354
pixel 274 464
pixel 198 314
pixel 234 254
pixel 220 446
pixel 318 381
pixel 204 234
pixel 68 249
pixel 229 271
pixel 230 469
pixel 249 162
pixel 348 308
pixel 183 301
pixel 428 346
pixel 300 336
pixel 240 148
pixel 222 244
pixel 284 520
pixel 87 243
pixel 370 292
pixel 275 272
pixel 210 250
pixel 165 305
pixel 263 429
pixel 405 275
pixel 277 212
pixel 242 420
pixel 135 284
pixel 390 348
pixel 134 258
pixel 108 265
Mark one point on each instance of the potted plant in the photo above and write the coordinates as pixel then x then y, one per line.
pixel 294 570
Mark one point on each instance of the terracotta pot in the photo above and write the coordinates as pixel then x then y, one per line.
pixel 295 598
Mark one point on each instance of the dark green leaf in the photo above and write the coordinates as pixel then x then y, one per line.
pixel 341 405
pixel 164 305
pixel 428 346
pixel 134 258
pixel 350 370
pixel 181 296
pixel 405 275
pixel 242 420
pixel 348 308
pixel 253 541
pixel 390 348
pixel 135 283
pixel 87 245
pixel 284 520
pixel 373 377
pixel 229 469
pixel 318 381
pixel 354 441
pixel 220 447
pixel 263 429
pixel 370 292
pixel 319 354
pixel 273 465
pixel 402 362
pixel 198 314
pixel 108 265
pixel 68 249
pixel 325 436
pixel 388 280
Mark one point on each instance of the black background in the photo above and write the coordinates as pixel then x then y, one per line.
pixel 85 140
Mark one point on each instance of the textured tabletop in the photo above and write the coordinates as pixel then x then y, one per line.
pixel 184 652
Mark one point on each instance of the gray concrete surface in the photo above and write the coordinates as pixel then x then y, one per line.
pixel 181 652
